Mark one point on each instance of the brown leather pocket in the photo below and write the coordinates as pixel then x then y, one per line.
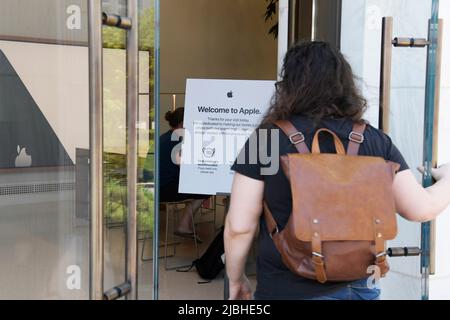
pixel 344 260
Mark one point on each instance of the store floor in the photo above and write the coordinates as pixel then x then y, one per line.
pixel 185 285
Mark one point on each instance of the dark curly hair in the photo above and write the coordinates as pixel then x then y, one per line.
pixel 175 117
pixel 317 82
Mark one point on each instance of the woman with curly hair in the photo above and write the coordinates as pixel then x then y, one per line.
pixel 317 91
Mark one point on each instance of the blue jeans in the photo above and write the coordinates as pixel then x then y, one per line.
pixel 356 290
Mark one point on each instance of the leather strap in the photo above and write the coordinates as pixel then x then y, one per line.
pixel 272 226
pixel 380 249
pixel 317 257
pixel 316 244
pixel 296 137
pixel 356 138
pixel 337 142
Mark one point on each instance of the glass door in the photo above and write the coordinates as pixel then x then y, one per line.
pixel 76 129
pixel 44 159
pixel 395 76
pixel 117 168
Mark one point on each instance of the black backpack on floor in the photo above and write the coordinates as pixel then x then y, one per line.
pixel 210 264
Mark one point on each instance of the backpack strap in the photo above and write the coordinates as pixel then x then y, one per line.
pixel 271 224
pixel 318 260
pixel 356 138
pixel 316 243
pixel 296 137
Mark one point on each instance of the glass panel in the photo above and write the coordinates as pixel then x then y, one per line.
pixel 115 135
pixel 115 160
pixel 209 40
pixel 146 134
pixel 361 43
pixel 44 125
pixel 115 148
pixel 441 279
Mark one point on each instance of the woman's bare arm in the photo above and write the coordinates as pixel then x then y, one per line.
pixel 415 203
pixel 240 226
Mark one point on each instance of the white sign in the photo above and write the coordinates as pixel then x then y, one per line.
pixel 219 116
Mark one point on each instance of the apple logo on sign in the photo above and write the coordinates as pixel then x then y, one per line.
pixel 230 94
pixel 22 159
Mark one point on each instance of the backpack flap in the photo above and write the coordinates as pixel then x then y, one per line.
pixel 344 197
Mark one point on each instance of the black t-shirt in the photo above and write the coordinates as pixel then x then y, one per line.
pixel 169 172
pixel 274 280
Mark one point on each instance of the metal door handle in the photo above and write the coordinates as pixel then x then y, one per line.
pixel 410 42
pixel 96 19
pixel 96 148
pixel 434 57
pixel 385 74
pixel 117 292
pixel 404 251
pixel 114 20
pixel 387 42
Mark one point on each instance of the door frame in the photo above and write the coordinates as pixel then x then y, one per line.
pixel 96 20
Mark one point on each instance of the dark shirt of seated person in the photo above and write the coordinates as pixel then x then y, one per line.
pixel 169 174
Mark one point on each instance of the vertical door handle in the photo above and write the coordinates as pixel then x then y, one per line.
pixel 96 19
pixel 96 148
pixel 434 59
pixel 431 128
pixel 132 146
pixel 385 74
pixel 437 95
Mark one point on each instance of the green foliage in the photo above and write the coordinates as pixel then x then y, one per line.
pixel 114 104
pixel 115 191
pixel 145 212
pixel 149 163
pixel 147 29
pixel 115 38
pixel 115 199
pixel 271 12
pixel 115 194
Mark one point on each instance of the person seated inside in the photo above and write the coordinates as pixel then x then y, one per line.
pixel 169 174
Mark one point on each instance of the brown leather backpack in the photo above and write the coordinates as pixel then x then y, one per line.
pixel 342 209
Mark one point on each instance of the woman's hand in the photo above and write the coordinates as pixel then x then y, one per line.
pixel 416 203
pixel 442 172
pixel 240 290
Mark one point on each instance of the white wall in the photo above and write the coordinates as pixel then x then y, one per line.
pixel 361 43
pixel 61 90
pixel 58 87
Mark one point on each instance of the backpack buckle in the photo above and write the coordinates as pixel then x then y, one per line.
pixel 297 138
pixel 356 137
pixel 274 232
pixel 317 254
